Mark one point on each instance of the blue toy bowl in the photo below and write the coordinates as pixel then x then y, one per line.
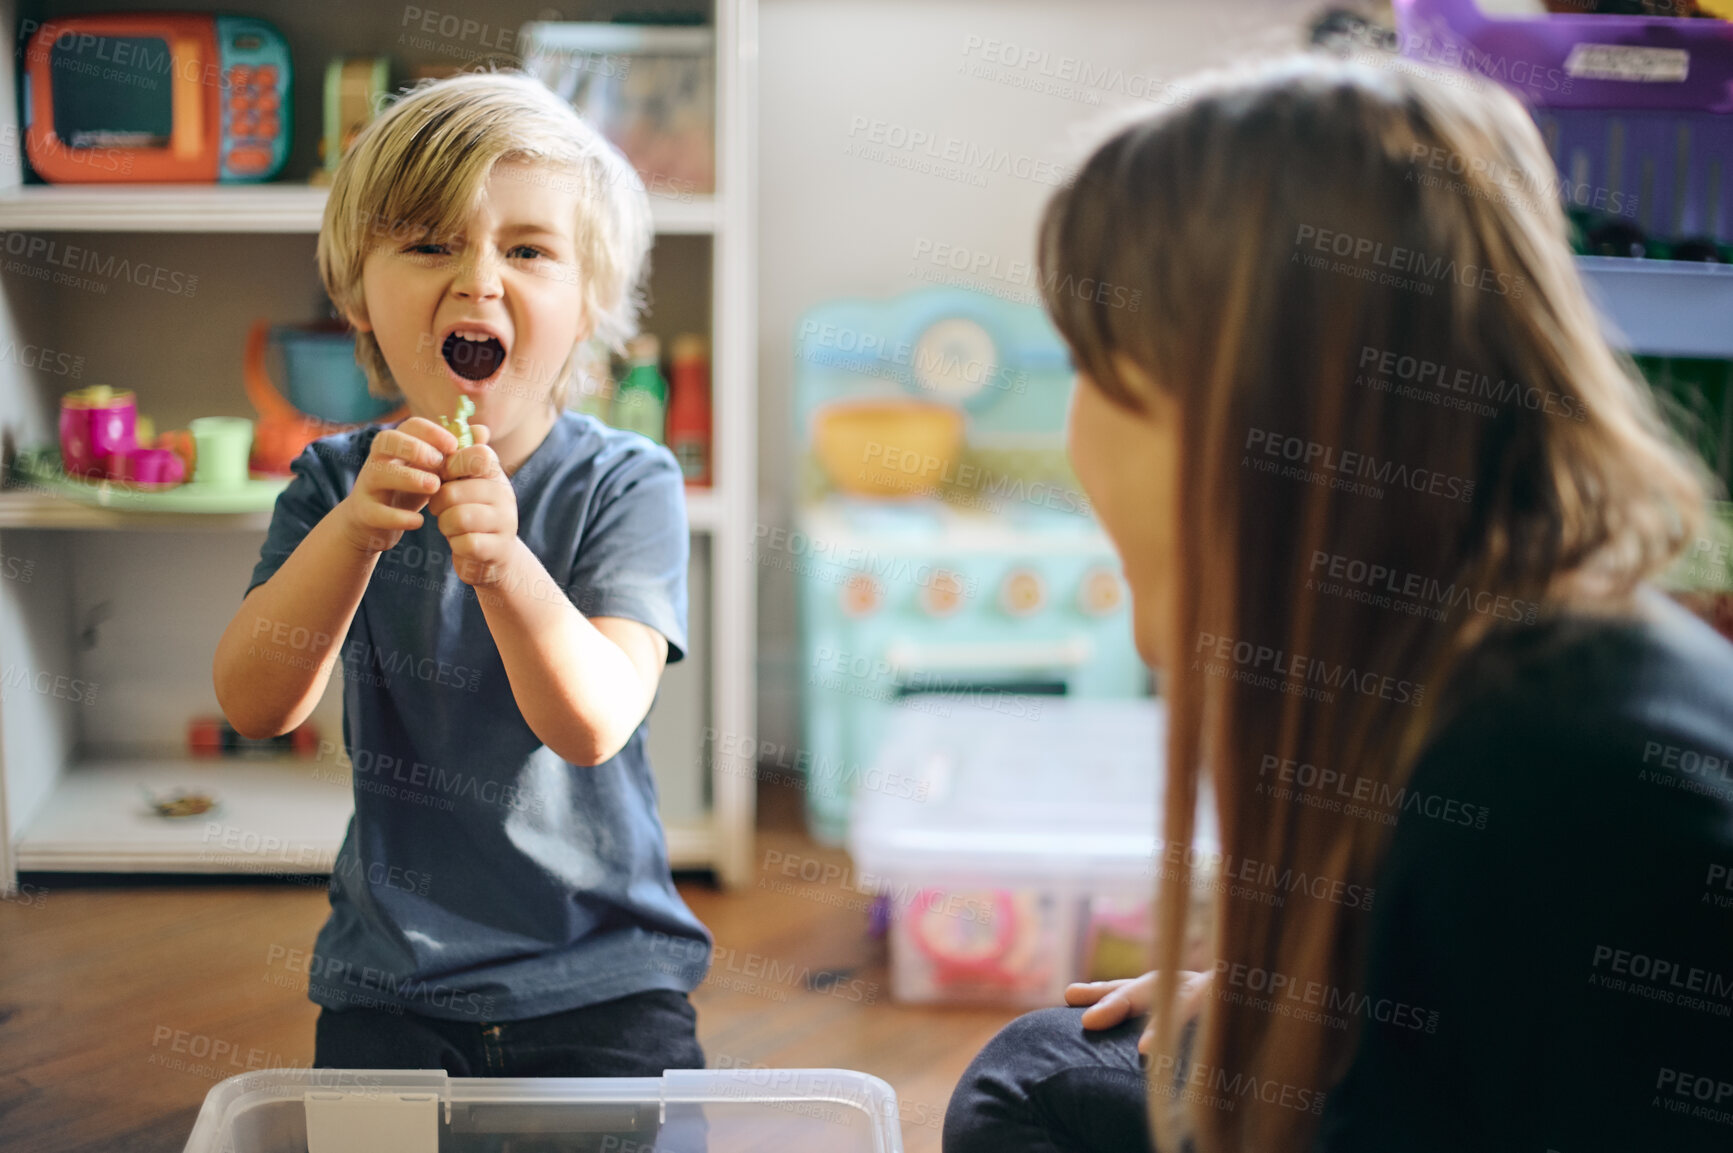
pixel 322 379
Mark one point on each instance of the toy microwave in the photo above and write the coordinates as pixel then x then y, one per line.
pixel 175 97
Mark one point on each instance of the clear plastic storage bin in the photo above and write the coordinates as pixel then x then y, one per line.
pixel 426 1111
pixel 1015 849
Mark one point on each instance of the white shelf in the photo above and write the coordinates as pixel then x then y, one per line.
pixel 696 216
pixel 27 509
pixel 692 843
pixel 277 817
pixel 703 510
pixel 234 208
pixel 1664 307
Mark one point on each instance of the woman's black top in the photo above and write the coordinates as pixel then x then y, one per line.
pixel 1550 960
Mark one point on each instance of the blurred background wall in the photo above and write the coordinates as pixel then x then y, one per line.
pixel 1037 81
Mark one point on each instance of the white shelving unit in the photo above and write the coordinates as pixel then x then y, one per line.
pixel 68 806
pixel 240 208
pixel 1664 307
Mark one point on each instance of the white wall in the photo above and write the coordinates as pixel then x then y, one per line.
pixel 833 224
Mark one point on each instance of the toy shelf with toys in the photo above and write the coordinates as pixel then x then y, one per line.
pixel 116 583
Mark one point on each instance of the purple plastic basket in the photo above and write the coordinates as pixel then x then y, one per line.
pixel 1657 151
pixel 1671 174
pixel 1619 62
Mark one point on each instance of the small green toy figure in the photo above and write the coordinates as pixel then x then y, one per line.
pixel 460 426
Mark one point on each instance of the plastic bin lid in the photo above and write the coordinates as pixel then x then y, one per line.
pixel 423 1111
pixel 1060 791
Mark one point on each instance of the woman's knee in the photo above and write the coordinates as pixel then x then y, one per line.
pixel 1043 1037
pixel 1055 1038
pixel 1021 1055
pixel 1005 1098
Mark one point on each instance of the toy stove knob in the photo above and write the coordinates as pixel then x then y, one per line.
pixel 1101 592
pixel 943 595
pixel 1022 593
pixel 862 596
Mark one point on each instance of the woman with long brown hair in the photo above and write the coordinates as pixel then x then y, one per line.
pixel 1390 508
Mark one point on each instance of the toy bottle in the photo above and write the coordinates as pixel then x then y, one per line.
pixel 640 403
pixel 689 408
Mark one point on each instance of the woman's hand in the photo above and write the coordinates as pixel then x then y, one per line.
pixel 1113 1002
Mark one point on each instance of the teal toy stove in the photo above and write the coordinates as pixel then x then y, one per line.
pixel 985 589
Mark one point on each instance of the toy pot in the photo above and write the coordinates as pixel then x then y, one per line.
pixel 327 391
pixel 97 425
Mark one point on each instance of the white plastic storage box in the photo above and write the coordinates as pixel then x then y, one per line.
pixel 1013 848
pixel 426 1111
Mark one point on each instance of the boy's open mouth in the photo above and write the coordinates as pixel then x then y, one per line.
pixel 473 359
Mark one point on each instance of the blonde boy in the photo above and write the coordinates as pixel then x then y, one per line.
pixel 502 904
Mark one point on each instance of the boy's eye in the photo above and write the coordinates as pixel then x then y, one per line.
pixel 432 248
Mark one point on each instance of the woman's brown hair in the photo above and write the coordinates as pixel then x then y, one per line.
pixel 1355 281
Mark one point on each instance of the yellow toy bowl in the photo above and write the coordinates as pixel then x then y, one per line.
pixel 889 448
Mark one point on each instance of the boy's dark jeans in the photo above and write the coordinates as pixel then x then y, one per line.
pixel 636 1036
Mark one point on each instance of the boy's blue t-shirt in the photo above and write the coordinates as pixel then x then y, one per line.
pixel 483 876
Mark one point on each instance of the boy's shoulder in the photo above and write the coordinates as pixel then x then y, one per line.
pixel 586 434
pixel 581 449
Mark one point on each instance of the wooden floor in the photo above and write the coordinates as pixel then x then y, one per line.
pixel 108 988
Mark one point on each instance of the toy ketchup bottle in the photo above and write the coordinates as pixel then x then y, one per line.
pixel 689 408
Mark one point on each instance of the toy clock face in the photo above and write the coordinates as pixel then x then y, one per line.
pixel 954 360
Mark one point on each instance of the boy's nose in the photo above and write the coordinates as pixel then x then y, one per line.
pixel 477 276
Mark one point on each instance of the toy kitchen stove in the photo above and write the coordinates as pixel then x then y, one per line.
pixel 945 557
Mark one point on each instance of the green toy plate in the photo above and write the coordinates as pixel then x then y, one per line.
pixel 40 469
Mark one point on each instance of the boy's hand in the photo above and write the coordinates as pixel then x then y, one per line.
pixel 400 475
pixel 477 512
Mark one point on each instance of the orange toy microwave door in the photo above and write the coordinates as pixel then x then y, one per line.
pixel 156 97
